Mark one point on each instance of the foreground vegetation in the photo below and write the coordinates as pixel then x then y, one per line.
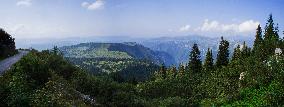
pixel 46 79
pixel 252 77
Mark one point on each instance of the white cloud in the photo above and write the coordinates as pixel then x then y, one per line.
pixel 28 30
pixel 248 26
pixel 26 3
pixel 85 4
pixel 207 26
pixel 185 28
pixel 215 26
pixel 98 4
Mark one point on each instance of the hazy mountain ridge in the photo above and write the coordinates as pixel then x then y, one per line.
pixel 125 61
pixel 125 50
pixel 179 47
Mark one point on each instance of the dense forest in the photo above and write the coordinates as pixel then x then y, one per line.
pixel 7 45
pixel 125 50
pixel 253 76
pixel 128 61
pixel 120 70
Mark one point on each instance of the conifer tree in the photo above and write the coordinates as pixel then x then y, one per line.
pixel 55 50
pixel 276 30
pixel 237 53
pixel 258 46
pixel 245 51
pixel 269 28
pixel 258 38
pixel 172 72
pixel 223 53
pixel 271 37
pixel 282 43
pixel 208 63
pixel 181 70
pixel 195 64
pixel 163 71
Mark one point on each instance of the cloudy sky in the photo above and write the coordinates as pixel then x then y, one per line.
pixel 137 18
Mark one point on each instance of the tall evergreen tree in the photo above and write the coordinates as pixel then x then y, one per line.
pixel 195 64
pixel 223 53
pixel 258 46
pixel 195 74
pixel 245 51
pixel 258 38
pixel 269 28
pixel 208 63
pixel 237 53
pixel 282 43
pixel 271 37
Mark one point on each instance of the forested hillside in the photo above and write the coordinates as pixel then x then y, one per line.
pixel 119 69
pixel 127 50
pixel 253 76
pixel 124 61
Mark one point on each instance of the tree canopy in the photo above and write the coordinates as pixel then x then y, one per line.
pixel 7 44
pixel 223 53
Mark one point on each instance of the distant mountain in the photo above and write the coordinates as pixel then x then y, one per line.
pixel 127 50
pixel 179 47
pixel 48 43
pixel 124 61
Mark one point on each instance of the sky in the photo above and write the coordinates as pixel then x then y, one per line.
pixel 26 19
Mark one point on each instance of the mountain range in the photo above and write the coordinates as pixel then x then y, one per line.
pixel 127 50
pixel 177 47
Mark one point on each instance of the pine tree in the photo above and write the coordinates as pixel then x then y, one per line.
pixel 163 71
pixel 208 63
pixel 245 51
pixel 55 50
pixel 181 70
pixel 258 38
pixel 195 64
pixel 258 46
pixel 269 28
pixel 276 30
pixel 237 53
pixel 172 72
pixel 223 53
pixel 282 43
pixel 271 37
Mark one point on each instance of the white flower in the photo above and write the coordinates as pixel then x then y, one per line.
pixel 242 76
pixel 278 51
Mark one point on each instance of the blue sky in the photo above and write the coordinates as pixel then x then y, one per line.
pixel 136 18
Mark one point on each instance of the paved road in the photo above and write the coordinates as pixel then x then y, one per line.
pixel 8 62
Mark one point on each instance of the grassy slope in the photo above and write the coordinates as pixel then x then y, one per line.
pixel 93 52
